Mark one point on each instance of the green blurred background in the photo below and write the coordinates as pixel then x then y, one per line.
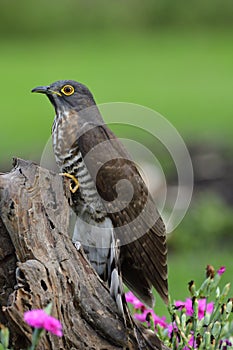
pixel 174 57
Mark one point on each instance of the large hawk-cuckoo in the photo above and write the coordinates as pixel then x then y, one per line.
pixel 117 220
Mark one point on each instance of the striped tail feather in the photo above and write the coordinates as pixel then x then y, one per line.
pixel 114 274
pixel 103 251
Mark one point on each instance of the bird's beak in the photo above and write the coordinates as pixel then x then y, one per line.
pixel 45 90
pixel 41 89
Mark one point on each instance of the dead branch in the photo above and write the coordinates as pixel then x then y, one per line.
pixel 39 264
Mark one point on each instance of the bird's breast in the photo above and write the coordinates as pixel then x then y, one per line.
pixel 70 160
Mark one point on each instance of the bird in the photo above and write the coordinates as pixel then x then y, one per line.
pixel 118 224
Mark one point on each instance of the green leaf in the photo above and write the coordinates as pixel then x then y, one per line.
pixel 217 295
pixel 48 308
pixel 207 340
pixel 216 329
pixel 225 292
pixel 205 288
pixel 4 337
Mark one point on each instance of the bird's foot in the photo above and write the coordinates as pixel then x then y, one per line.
pixel 72 177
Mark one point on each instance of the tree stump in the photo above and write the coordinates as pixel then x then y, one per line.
pixel 39 264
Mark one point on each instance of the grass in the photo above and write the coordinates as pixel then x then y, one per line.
pixel 186 267
pixel 185 76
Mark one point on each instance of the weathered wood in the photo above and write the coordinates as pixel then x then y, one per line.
pixel 34 221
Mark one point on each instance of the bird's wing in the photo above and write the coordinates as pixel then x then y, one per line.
pixel 133 213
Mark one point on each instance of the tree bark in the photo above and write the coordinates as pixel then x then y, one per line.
pixel 39 264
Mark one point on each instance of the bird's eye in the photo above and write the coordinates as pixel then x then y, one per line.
pixel 67 90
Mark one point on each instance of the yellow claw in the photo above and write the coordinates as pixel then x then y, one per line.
pixel 72 177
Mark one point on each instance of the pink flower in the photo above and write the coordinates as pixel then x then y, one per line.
pixel 143 317
pixel 40 319
pixel 225 344
pixel 172 327
pixel 185 304
pixel 221 270
pixel 130 298
pixel 35 318
pixel 191 343
pixel 202 307
pixel 160 320
pixel 53 326
pixel 146 315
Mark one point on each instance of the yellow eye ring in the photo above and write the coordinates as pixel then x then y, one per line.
pixel 67 90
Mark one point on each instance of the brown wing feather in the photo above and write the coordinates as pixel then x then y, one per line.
pixel 143 250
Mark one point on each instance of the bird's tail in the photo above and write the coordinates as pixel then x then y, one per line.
pixel 103 251
pixel 114 274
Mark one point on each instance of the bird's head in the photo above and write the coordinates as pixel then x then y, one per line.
pixel 67 95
